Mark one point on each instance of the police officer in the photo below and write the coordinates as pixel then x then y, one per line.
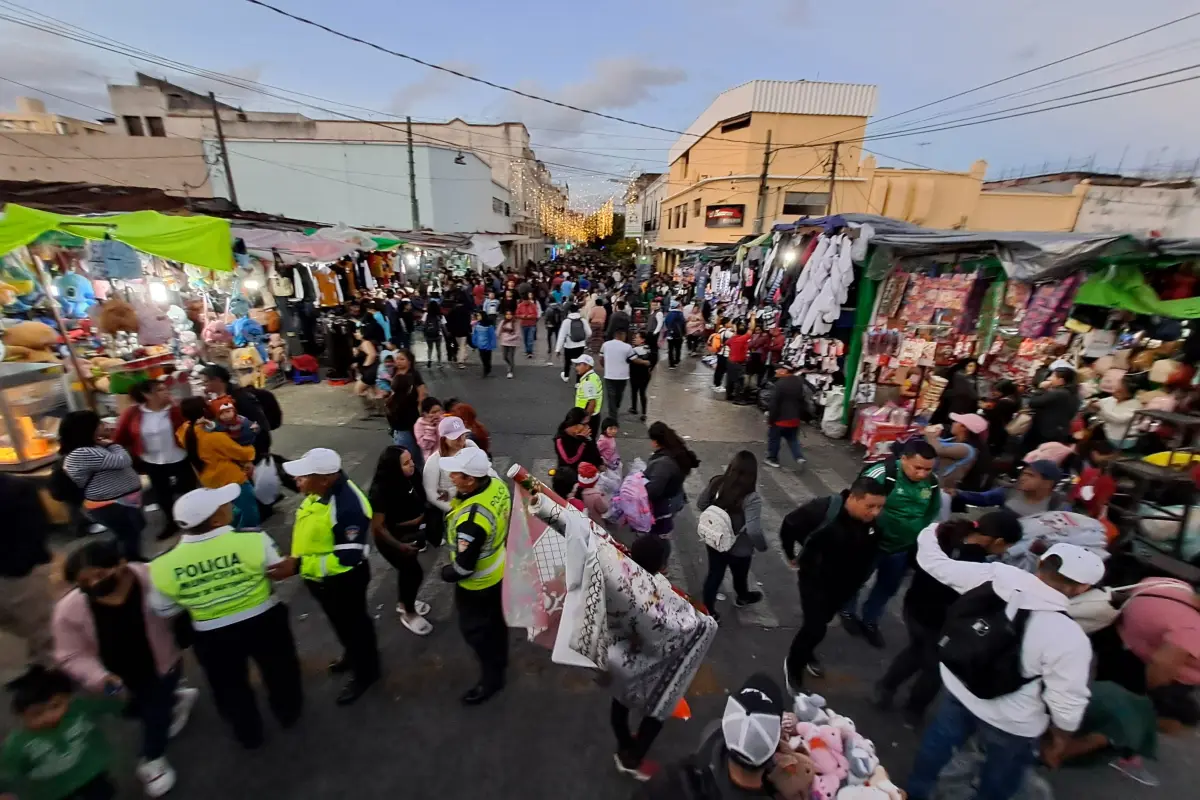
pixel 476 534
pixel 221 578
pixel 330 544
pixel 589 390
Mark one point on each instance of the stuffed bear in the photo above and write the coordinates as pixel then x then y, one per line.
pixel 860 755
pixel 115 315
pixel 791 774
pixel 811 708
pixel 154 324
pixel 825 787
pixel 880 780
pixel 30 341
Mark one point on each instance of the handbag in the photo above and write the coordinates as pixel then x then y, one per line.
pixel 1020 424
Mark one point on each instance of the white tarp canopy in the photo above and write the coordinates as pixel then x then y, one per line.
pixel 293 246
pixel 486 247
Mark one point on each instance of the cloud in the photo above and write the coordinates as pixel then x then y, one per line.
pixel 433 83
pixel 50 64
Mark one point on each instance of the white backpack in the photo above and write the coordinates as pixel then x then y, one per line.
pixel 716 529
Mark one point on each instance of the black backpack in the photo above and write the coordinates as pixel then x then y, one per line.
pixel 270 406
pixel 554 316
pixel 981 646
pixel 578 332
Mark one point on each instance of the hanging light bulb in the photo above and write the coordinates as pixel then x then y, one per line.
pixel 158 292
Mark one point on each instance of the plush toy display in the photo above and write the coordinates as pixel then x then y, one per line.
pixel 22 283
pixel 246 331
pixel 30 341
pixel 154 325
pixel 791 774
pixel 115 315
pixel 844 761
pixel 811 708
pixel 75 295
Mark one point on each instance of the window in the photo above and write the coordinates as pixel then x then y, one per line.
pixel 735 124
pixel 497 205
pixel 133 126
pixel 155 124
pixel 696 207
pixel 807 204
pixel 686 159
pixel 683 216
pixel 60 128
pixel 507 210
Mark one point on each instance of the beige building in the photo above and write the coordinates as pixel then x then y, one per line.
pixel 155 107
pixel 31 116
pixel 805 136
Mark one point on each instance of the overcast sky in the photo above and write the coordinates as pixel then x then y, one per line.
pixel 660 62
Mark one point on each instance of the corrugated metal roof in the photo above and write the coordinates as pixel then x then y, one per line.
pixel 781 97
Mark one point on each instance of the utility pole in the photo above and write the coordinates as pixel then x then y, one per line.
pixel 833 165
pixel 762 187
pixel 224 151
pixel 412 179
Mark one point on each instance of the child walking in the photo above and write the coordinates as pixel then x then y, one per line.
pixel 510 340
pixel 58 751
pixel 483 339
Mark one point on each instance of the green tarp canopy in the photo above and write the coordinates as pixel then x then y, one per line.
pixel 1124 287
pixel 199 241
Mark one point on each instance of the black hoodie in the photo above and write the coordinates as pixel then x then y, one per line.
pixel 842 554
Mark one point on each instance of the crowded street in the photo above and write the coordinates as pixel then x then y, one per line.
pixel 411 734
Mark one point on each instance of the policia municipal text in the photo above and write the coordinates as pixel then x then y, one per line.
pixel 221 578
pixel 330 545
pixel 476 534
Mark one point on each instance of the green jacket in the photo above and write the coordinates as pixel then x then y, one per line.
pixel 910 506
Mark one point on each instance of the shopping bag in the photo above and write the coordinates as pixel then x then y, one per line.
pixel 267 485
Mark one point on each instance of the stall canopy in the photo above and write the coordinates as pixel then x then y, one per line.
pixel 1125 287
pixel 292 246
pixel 199 241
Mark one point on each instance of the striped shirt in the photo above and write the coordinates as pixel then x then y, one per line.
pixel 104 473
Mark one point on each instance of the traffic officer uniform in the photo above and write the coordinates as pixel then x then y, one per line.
pixel 219 577
pixel 590 387
pixel 476 535
pixel 330 540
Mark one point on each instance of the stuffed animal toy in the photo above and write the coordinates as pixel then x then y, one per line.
pixel 75 295
pixel 30 341
pixel 860 755
pixel 791 774
pixel 20 279
pixel 844 725
pixel 239 307
pixel 825 787
pixel 154 325
pixel 880 780
pixel 246 331
pixel 215 332
pixel 825 748
pixel 115 315
pixel 811 708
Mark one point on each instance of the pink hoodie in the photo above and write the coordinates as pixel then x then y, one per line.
pixel 77 650
pixel 427 436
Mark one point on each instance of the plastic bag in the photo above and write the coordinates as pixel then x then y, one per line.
pixel 831 422
pixel 267 486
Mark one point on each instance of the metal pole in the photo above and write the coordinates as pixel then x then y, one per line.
pixel 84 380
pixel 762 187
pixel 224 151
pixel 833 165
pixel 412 179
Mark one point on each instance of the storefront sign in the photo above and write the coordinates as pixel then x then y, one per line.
pixel 724 216
pixel 633 220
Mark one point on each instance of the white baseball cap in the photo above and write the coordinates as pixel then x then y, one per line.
pixel 1078 564
pixel 469 461
pixel 200 504
pixel 318 461
pixel 451 428
pixel 584 359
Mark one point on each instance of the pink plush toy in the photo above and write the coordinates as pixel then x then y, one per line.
pixel 832 737
pixel 825 787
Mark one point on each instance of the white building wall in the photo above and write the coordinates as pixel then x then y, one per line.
pixel 464 196
pixel 1167 212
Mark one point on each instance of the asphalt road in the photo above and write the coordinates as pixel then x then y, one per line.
pixel 547 734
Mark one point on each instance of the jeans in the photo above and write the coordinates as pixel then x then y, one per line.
pixel 126 523
pixel 245 509
pixel 889 574
pixel 735 376
pixel 637 390
pixel 408 571
pixel 614 388
pixel 1006 757
pixel 510 356
pixel 919 658
pixel 718 562
pixel 674 352
pixel 719 372
pixel 432 346
pixel 530 334
pixel 777 434
pixel 551 338
pixel 155 705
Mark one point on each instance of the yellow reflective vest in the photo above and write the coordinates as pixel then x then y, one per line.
pixel 219 577
pixel 313 541
pixel 489 510
pixel 596 384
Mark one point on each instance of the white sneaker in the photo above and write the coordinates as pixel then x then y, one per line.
pixel 185 700
pixel 719 389
pixel 156 776
pixel 564 378
pixel 421 607
pixel 510 376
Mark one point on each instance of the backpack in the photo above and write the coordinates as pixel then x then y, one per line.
pixel 270 406
pixel 715 529
pixel 433 326
pixel 831 512
pixel 578 332
pixel 981 646
pixel 633 504
pixel 554 316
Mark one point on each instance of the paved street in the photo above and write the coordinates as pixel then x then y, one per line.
pixel 547 735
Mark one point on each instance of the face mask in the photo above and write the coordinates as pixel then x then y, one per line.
pixel 101 588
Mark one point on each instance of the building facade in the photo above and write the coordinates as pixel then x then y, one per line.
pixel 776 151
pixel 31 117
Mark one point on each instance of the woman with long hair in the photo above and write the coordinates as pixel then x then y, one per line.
pixel 218 459
pixel 103 471
pixel 573 446
pixel 669 464
pixel 398 523
pixel 479 434
pixel 404 403
pixel 108 638
pixel 369 337
pixel 736 493
pixel 453 436
pixel 434 331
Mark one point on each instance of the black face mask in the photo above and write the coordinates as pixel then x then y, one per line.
pixel 101 588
